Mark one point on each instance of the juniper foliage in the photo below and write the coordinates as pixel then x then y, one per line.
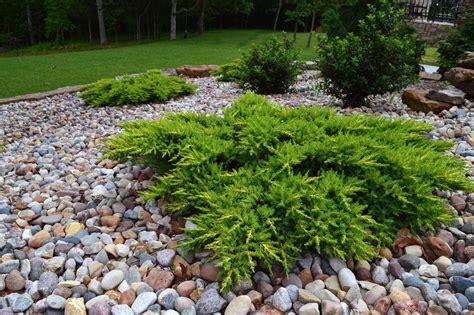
pixel 264 182
pixel 151 86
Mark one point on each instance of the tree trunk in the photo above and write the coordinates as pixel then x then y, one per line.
pixel 138 31
pixel 30 25
pixel 90 30
pixel 100 15
pixel 173 19
pixel 294 31
pixel 277 16
pixel 308 44
pixel 200 21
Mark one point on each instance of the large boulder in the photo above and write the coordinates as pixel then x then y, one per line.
pixel 467 60
pixel 196 71
pixel 462 78
pixel 416 99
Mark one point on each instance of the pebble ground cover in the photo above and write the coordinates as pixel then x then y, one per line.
pixel 76 237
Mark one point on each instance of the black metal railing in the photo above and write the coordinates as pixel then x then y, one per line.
pixel 433 10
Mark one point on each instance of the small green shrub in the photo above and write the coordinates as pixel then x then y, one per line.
pixel 270 67
pixel 230 72
pixel 383 57
pixel 267 183
pixel 457 42
pixel 151 86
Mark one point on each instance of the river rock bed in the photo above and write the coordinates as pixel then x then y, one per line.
pixel 76 237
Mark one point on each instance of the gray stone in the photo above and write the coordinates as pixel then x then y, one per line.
pixel 211 302
pixel 463 301
pixel 413 282
pixel 167 298
pixel 112 279
pixel 122 309
pixel 19 302
pixel 347 279
pixel 379 276
pixel 143 301
pixel 165 257
pixel 309 309
pixel 457 269
pixel 469 293
pixel 409 262
pixel 55 301
pixel 460 284
pixel 47 283
pixel 337 264
pixel 281 300
pixel 448 300
pixel 428 292
pixel 182 303
pixel 292 292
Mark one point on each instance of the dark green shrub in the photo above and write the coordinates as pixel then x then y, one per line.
pixel 457 42
pixel 383 58
pixel 267 183
pixel 268 68
pixel 151 86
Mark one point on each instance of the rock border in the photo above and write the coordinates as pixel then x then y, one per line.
pixel 40 95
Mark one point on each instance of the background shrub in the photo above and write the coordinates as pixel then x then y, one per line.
pixel 266 183
pixel 383 57
pixel 270 67
pixel 457 42
pixel 151 86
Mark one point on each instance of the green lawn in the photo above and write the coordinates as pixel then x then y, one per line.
pixel 29 74
pixel 431 56
pixel 37 73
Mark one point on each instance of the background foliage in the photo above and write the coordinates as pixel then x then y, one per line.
pixel 459 41
pixel 265 183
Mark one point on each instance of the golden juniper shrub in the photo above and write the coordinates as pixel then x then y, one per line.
pixel 265 183
pixel 151 86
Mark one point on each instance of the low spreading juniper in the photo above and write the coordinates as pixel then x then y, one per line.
pixel 264 183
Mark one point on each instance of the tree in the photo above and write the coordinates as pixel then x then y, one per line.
pixel 100 15
pixel 277 15
pixel 58 18
pixel 300 11
pixel 200 21
pixel 30 23
pixel 173 19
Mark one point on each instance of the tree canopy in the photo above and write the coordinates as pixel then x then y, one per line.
pixel 26 22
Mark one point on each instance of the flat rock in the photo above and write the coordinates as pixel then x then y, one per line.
pixel 449 95
pixel 416 99
pixel 196 71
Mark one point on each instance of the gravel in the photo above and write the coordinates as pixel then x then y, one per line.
pixel 75 234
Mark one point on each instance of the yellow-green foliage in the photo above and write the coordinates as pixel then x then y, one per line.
pixel 151 86
pixel 266 182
